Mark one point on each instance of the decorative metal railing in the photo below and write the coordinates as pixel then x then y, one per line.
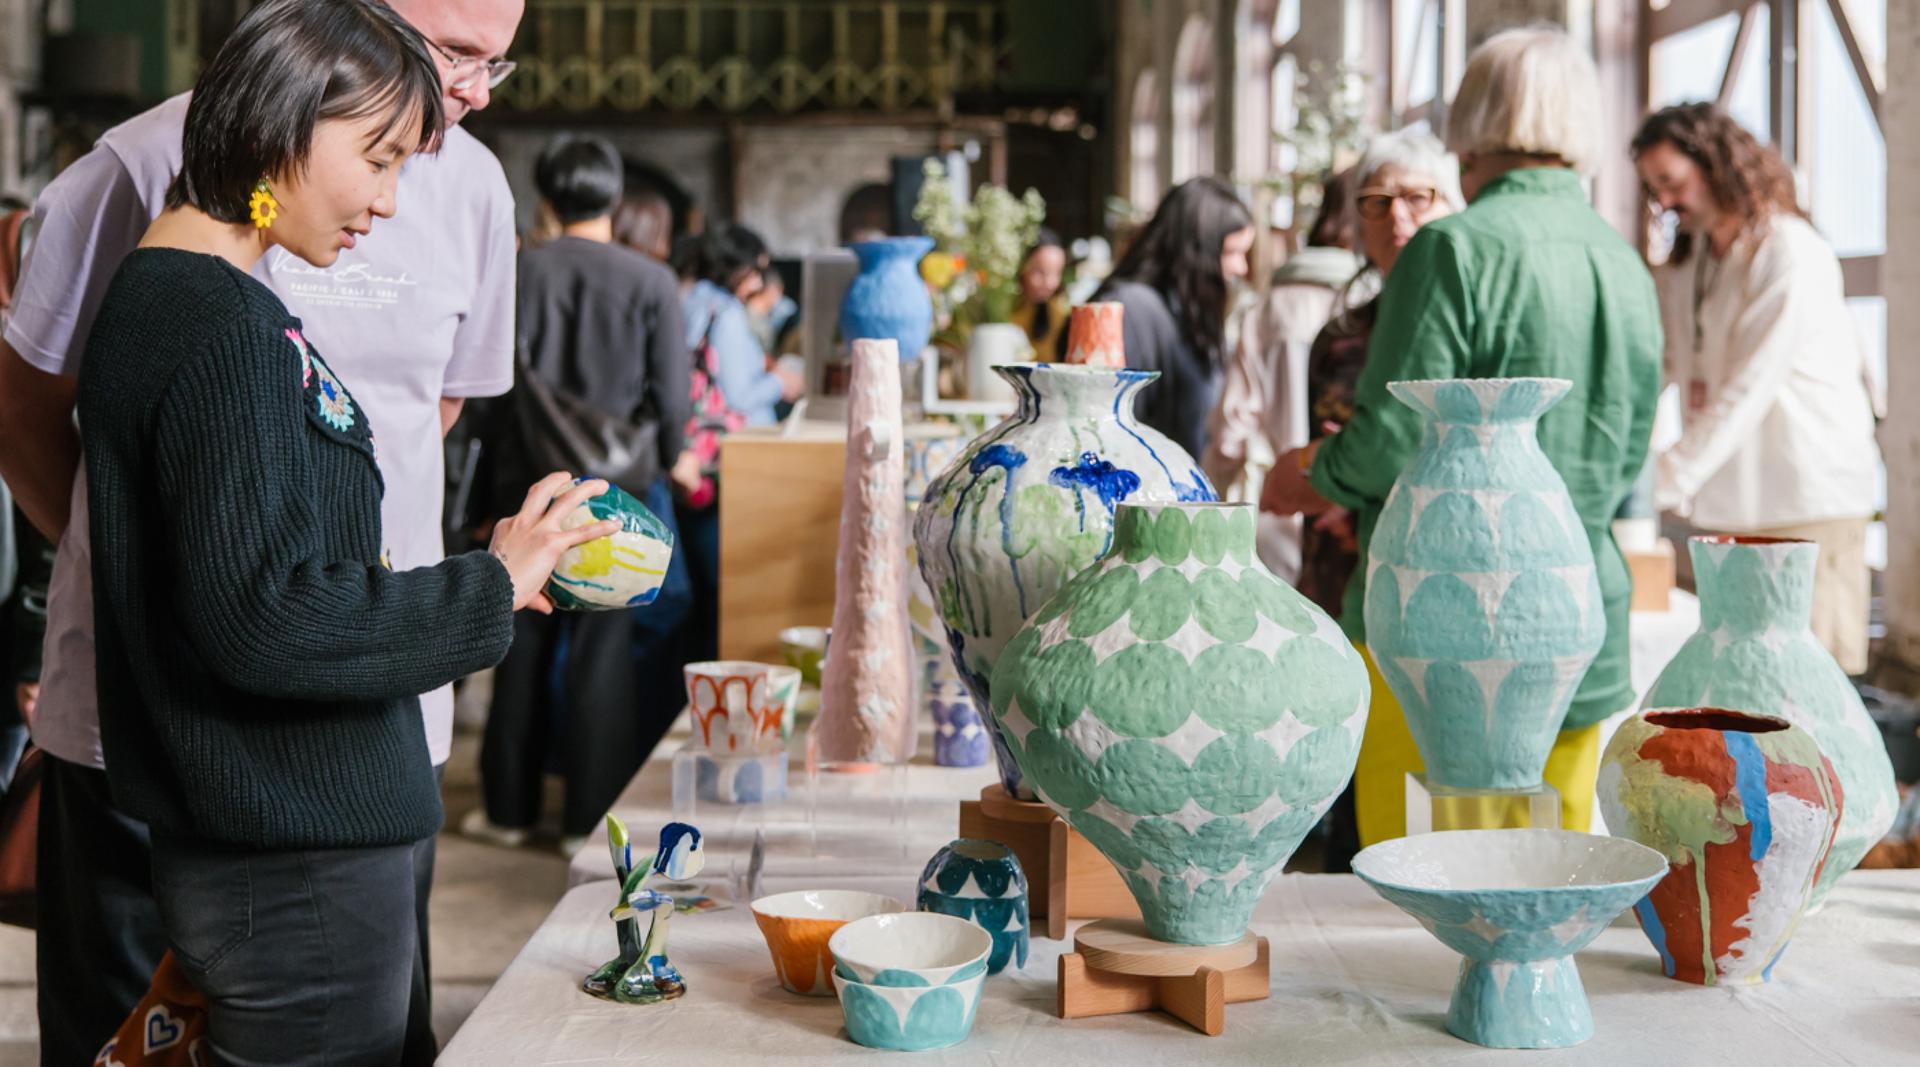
pixel 736 56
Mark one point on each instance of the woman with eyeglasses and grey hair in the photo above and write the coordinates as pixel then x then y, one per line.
pixel 1528 281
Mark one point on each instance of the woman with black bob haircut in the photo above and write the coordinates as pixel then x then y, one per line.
pixel 1174 281
pixel 258 666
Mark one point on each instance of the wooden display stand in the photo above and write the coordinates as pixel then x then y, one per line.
pixel 1116 969
pixel 1067 878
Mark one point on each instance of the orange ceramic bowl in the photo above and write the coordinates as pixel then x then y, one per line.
pixel 798 924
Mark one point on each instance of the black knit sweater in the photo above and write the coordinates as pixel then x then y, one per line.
pixel 259 666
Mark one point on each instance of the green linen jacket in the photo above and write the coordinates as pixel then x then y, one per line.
pixel 1529 281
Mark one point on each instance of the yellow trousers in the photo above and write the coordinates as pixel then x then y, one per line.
pixel 1388 755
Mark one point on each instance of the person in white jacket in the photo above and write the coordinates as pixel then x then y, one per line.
pixel 1778 403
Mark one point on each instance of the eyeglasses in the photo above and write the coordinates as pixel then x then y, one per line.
pixel 1374 206
pixel 494 71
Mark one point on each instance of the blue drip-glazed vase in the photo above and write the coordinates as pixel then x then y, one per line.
pixel 1483 609
pixel 887 298
pixel 1029 504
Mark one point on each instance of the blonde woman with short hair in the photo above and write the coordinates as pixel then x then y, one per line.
pixel 1528 281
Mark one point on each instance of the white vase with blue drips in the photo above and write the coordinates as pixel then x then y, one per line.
pixel 1029 504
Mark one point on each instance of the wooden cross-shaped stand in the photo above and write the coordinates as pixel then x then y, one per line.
pixel 1116 969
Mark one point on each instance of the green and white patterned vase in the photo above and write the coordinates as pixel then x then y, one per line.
pixel 1483 610
pixel 1756 652
pixel 1187 712
pixel 1029 504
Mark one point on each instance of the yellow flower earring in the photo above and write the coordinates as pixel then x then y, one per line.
pixel 263 206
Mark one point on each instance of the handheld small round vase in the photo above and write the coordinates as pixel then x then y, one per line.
pixel 1517 904
pixel 1187 712
pixel 1756 652
pixel 1744 807
pixel 622 570
pixel 887 299
pixel 1483 609
pixel 981 882
pixel 1030 503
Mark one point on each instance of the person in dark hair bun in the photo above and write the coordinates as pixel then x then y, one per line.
pixel 259 663
pixel 1175 280
pixel 599 327
pixel 580 177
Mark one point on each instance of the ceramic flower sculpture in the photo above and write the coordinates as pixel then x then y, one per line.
pixel 641 973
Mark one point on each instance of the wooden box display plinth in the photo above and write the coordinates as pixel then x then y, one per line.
pixel 1115 969
pixel 1067 878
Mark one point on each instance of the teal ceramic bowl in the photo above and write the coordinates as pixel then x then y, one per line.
pixel 1517 904
pixel 909 1018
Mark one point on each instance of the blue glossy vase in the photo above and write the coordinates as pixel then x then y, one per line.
pixel 1483 609
pixel 888 299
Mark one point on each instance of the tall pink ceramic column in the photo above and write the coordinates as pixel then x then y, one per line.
pixel 1094 337
pixel 866 692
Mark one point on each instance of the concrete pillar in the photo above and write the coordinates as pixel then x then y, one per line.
pixel 1900 275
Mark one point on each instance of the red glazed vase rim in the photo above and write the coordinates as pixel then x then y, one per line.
pixel 1726 720
pixel 1748 539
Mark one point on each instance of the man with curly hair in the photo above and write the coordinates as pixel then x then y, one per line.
pixel 1778 402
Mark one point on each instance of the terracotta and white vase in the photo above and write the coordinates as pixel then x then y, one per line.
pixel 866 685
pixel 1483 608
pixel 1187 712
pixel 1744 808
pixel 1756 652
pixel 1094 336
pixel 1030 503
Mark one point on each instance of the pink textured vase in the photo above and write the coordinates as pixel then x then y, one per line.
pixel 1093 335
pixel 866 691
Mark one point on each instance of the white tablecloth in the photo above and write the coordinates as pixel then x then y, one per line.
pixel 1354 980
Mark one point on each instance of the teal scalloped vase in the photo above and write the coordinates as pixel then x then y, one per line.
pixel 1187 712
pixel 1756 652
pixel 1483 610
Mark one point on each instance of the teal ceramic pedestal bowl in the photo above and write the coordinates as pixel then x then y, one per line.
pixel 1517 904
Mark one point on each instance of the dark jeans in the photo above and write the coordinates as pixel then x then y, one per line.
pixel 590 692
pixel 100 935
pixel 305 957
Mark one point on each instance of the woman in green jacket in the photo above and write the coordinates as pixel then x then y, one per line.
pixel 1529 281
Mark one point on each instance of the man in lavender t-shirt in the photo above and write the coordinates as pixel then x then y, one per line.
pixel 417 317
